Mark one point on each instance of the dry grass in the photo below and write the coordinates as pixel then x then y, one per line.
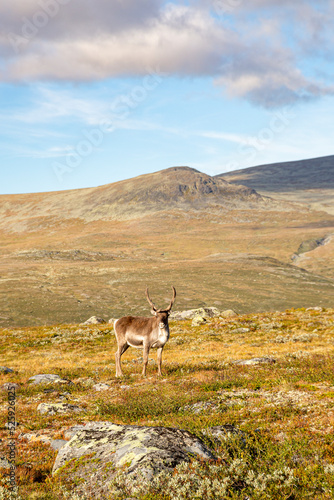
pixel 232 252
pixel 286 408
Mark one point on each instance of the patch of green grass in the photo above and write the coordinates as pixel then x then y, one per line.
pixel 144 405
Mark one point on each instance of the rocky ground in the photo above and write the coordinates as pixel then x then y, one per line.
pixel 245 410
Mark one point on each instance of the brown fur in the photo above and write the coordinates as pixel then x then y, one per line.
pixel 137 331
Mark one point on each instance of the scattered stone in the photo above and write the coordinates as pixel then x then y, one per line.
pixel 11 425
pixel 7 386
pixel 201 407
pixel 205 312
pixel 31 437
pixel 198 320
pixel 27 437
pixel 229 313
pixel 50 391
pixel 112 320
pixel 125 387
pixel 62 397
pixel 318 309
pixel 4 464
pixel 240 330
pixel 101 387
pixel 255 361
pixel 48 378
pixel 86 382
pixel 5 370
pixel 268 326
pixel 226 432
pixel 63 381
pixel 44 439
pixel 72 431
pixel 54 408
pixel 281 437
pixel 94 320
pixel 56 444
pixel 101 447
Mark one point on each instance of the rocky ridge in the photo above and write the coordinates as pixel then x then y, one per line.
pixel 177 188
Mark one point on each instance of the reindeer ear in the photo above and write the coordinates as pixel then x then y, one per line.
pixel 153 312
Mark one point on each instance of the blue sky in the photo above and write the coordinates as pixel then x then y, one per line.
pixel 97 91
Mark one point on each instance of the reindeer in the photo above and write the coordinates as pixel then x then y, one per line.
pixel 143 333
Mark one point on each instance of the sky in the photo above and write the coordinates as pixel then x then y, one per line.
pixel 96 91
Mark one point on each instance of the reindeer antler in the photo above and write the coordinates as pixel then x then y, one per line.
pixel 172 301
pixel 150 301
pixel 161 310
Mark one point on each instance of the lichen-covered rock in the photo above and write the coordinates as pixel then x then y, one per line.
pixel 56 444
pixel 101 387
pixel 227 433
pixel 198 320
pixel 86 381
pixel 94 455
pixel 229 313
pixel 4 463
pixel 35 438
pixel 240 330
pixel 201 407
pixel 204 312
pixel 7 386
pixel 72 431
pixel 48 378
pixel 94 320
pixel 54 408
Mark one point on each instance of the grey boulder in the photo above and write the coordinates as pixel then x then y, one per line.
pixel 229 313
pixel 56 444
pixel 94 320
pixel 48 378
pixel 204 312
pixel 60 408
pixel 93 456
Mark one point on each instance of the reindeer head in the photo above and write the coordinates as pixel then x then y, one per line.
pixel 161 314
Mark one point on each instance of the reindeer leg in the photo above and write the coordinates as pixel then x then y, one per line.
pixel 121 350
pixel 146 350
pixel 159 359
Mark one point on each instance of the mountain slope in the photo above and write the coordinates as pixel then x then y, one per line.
pixel 306 181
pixel 174 188
pixel 65 256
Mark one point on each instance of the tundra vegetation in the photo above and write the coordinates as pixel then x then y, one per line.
pixel 285 409
pixel 67 256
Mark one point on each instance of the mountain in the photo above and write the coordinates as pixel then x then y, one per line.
pixel 305 181
pixel 174 188
pixel 65 256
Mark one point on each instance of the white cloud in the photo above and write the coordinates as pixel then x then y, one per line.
pixel 256 57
